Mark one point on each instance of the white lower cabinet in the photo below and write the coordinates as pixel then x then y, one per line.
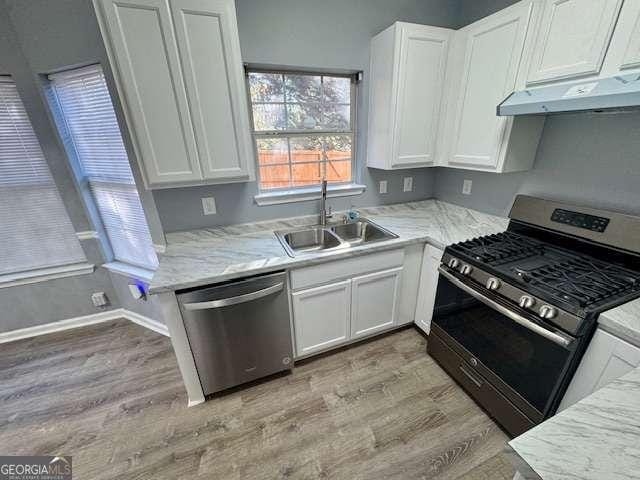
pixel 428 286
pixel 344 300
pixel 607 358
pixel 322 316
pixel 374 302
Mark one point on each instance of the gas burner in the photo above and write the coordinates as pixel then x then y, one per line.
pixel 500 248
pixel 581 281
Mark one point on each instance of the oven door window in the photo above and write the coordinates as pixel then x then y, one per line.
pixel 527 362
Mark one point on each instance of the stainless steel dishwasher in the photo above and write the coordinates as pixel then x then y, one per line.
pixel 238 331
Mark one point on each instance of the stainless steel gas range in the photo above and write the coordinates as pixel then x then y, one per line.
pixel 515 311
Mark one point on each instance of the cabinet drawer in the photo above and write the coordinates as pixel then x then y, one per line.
pixel 345 268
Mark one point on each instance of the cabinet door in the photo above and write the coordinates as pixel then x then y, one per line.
pixel 421 69
pixel 210 52
pixel 374 302
pixel 607 358
pixel 321 317
pixel 572 39
pixel 492 55
pixel 428 286
pixel 143 50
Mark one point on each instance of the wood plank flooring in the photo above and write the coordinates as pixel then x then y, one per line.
pixel 111 396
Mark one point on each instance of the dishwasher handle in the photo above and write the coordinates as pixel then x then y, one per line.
pixel 227 302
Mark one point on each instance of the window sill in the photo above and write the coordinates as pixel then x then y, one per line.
pixel 307 194
pixel 44 274
pixel 132 271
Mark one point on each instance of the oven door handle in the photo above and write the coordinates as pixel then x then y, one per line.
pixel 556 337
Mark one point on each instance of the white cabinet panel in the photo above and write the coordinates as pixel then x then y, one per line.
pixel 143 43
pixel 492 56
pixel 607 358
pixel 572 39
pixel 423 59
pixel 321 317
pixel 631 57
pixel 408 64
pixel 210 52
pixel 374 302
pixel 624 50
pixel 428 286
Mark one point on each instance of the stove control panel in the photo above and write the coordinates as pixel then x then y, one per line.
pixel 580 220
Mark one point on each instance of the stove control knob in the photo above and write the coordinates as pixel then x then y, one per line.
pixel 493 283
pixel 547 312
pixel 527 301
pixel 466 269
pixel 454 262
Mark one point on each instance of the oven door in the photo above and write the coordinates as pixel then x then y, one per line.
pixel 523 358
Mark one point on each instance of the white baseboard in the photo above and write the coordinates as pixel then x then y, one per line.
pixel 84 321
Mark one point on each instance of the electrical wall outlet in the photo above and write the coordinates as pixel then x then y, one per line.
pixel 209 206
pixel 466 187
pixel 99 299
pixel 408 184
pixel 383 186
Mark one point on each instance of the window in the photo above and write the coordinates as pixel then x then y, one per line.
pixel 92 136
pixel 303 126
pixel 35 230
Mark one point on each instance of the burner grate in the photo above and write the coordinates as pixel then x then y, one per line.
pixel 582 281
pixel 500 248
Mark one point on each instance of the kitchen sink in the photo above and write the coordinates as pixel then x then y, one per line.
pixel 361 231
pixel 318 238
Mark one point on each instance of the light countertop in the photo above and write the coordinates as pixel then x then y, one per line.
pixel 623 322
pixel 598 438
pixel 200 257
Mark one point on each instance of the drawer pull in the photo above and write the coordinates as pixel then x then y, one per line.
pixel 470 376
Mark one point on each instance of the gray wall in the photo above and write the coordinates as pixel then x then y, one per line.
pixel 583 158
pixel 472 10
pixel 311 33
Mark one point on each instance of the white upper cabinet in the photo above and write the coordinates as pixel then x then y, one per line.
pixel 484 68
pixel 210 50
pixel 572 39
pixel 408 64
pixel 623 55
pixel 179 74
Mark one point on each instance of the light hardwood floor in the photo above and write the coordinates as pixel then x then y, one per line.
pixel 111 396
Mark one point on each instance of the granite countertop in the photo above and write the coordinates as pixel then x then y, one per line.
pixel 199 257
pixel 623 322
pixel 598 438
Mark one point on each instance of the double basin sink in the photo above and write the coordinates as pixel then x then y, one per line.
pixel 332 237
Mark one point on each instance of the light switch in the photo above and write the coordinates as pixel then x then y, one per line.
pixel 466 187
pixel 209 206
pixel 408 184
pixel 383 186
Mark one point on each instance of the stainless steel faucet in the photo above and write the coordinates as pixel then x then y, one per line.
pixel 323 205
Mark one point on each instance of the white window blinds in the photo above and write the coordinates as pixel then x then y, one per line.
pixel 35 230
pixel 96 144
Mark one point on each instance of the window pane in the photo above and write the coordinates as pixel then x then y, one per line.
pixel 272 151
pixel 306 149
pixel 266 87
pixel 336 117
pixel 338 153
pixel 337 90
pixel 274 176
pixel 304 116
pixel 306 174
pixel 268 117
pixel 303 88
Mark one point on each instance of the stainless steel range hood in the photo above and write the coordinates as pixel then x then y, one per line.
pixel 621 92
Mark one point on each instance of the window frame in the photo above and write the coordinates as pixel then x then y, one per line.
pixel 268 196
